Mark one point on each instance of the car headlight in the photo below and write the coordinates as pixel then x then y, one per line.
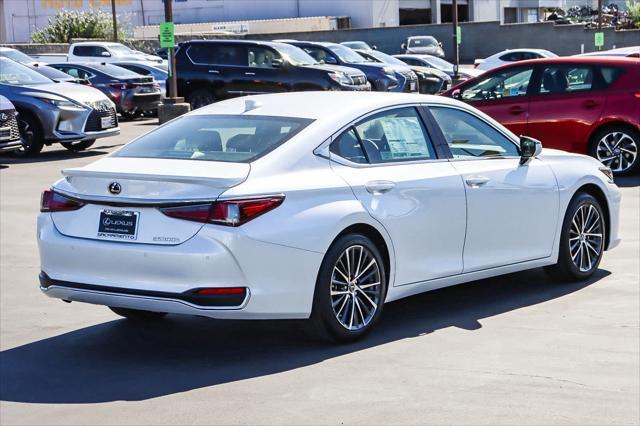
pixel 61 103
pixel 340 78
pixel 389 72
pixel 607 172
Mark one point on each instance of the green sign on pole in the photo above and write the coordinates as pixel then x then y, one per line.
pixel 599 39
pixel 459 34
pixel 166 35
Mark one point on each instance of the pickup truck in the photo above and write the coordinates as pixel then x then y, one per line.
pixel 97 51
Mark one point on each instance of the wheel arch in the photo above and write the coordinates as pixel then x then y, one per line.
pixel 378 239
pixel 607 125
pixel 596 192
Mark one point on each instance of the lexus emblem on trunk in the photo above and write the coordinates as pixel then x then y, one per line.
pixel 115 188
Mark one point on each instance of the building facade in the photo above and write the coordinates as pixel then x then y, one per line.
pixel 19 18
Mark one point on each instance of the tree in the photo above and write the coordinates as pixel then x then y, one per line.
pixel 70 24
pixel 634 12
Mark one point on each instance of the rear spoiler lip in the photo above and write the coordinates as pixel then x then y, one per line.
pixel 220 183
pixel 133 202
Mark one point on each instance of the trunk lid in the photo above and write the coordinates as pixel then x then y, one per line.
pixel 144 185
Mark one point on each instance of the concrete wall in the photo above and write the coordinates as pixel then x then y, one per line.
pixel 479 39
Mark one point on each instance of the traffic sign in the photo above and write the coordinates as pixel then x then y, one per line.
pixel 599 39
pixel 459 34
pixel 167 38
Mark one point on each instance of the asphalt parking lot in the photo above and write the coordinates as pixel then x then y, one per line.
pixel 518 349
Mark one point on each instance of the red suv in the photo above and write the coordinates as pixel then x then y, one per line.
pixel 580 104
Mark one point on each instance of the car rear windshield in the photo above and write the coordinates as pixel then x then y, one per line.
pixel 230 138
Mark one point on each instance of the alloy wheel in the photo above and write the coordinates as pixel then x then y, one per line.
pixel 617 150
pixel 356 288
pixel 586 237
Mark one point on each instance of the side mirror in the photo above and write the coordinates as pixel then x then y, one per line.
pixel 330 60
pixel 456 94
pixel 374 47
pixel 440 43
pixel 403 46
pixel 105 53
pixel 529 148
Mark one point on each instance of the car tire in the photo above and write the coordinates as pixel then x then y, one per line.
pixel 343 310
pixel 621 144
pixel 130 115
pixel 201 97
pixel 32 135
pixel 137 315
pixel 582 240
pixel 78 146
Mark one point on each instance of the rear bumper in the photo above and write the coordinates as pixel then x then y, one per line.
pixel 280 280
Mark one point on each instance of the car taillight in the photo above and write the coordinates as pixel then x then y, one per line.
pixel 51 201
pixel 637 95
pixel 122 86
pixel 228 212
pixel 475 65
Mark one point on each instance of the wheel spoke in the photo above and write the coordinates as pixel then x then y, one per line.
pixel 366 296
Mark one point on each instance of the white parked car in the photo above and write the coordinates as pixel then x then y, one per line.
pixel 623 52
pixel 321 205
pixel 98 51
pixel 511 55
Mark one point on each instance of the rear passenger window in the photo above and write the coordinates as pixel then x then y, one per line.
pixel 610 75
pixel 217 54
pixel 348 147
pixel 562 79
pixel 395 135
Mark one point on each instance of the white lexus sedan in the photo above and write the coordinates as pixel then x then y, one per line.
pixel 318 205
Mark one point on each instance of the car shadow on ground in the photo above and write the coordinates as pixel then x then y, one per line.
pixel 628 181
pixel 121 360
pixel 58 155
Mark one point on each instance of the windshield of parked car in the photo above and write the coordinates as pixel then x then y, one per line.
pixel 347 55
pixel 12 72
pixel 426 41
pixel 116 71
pixel 17 56
pixel 441 64
pixel 387 59
pixel 52 73
pixel 357 45
pixel 229 138
pixel 295 56
pixel 120 49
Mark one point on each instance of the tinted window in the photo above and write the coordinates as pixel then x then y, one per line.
pixel 395 135
pixel 135 69
pixel 609 75
pixel 469 136
pixel 562 79
pixel 218 54
pixel 89 50
pixel 319 54
pixel 504 84
pixel 261 57
pixel 348 146
pixel 77 72
pixel 230 138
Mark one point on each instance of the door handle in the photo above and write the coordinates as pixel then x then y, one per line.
pixel 590 103
pixel 249 73
pixel 476 181
pixel 517 109
pixel 214 72
pixel 379 186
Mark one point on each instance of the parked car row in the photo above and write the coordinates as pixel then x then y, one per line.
pixel 213 70
pixel 72 103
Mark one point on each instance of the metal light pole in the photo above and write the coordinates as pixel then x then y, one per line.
pixel 172 106
pixel 456 56
pixel 599 14
pixel 115 20
pixel 173 84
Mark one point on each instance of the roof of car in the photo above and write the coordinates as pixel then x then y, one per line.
pixel 322 106
pixel 235 41
pixel 575 60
